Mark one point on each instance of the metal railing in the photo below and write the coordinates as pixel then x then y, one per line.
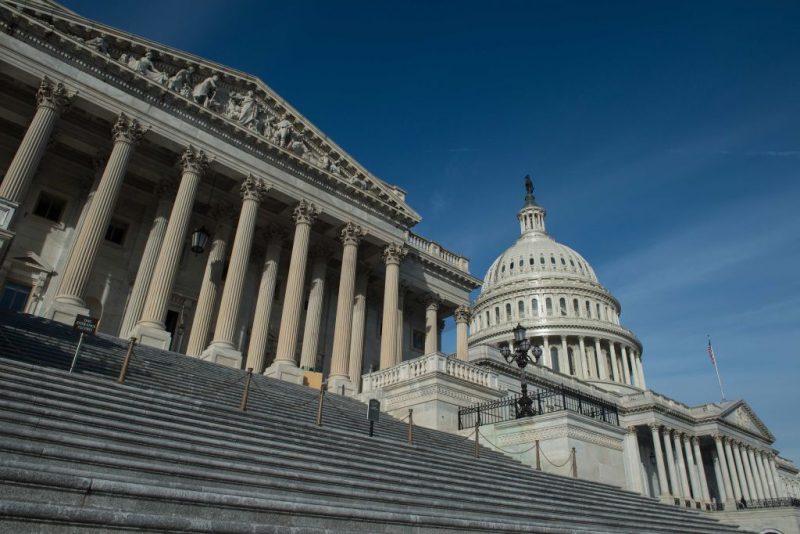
pixel 768 503
pixel 545 400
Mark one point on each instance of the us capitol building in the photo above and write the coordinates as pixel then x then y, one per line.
pixel 188 205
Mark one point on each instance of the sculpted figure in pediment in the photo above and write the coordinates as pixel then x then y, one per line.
pixel 283 132
pixel 248 109
pixel 98 44
pixel 145 66
pixel 204 91
pixel 181 81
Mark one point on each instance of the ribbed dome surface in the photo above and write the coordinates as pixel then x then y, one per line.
pixel 537 255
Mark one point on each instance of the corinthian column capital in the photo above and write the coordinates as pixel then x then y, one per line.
pixel 655 427
pixel 253 188
pixel 127 130
pixel 351 234
pixel 53 95
pixel 462 314
pixel 193 160
pixel 305 213
pixel 394 253
pixel 433 302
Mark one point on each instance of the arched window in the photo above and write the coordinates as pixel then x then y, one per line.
pixel 576 308
pixel 572 263
pixel 541 260
pixel 554 359
pixel 606 313
pixel 564 263
pixel 571 360
pixel 511 266
pixel 535 307
pixel 598 310
pixel 588 310
pixel 562 305
pixel 497 315
pixel 549 304
pixel 508 312
pixel 521 310
pixel 487 318
pixel 530 260
pixel 503 268
pixel 553 260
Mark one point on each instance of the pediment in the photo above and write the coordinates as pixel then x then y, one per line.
pixel 739 414
pixel 32 261
pixel 234 103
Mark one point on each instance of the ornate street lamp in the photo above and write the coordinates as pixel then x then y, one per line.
pixel 199 240
pixel 521 357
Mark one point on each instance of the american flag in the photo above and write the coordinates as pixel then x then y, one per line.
pixel 711 352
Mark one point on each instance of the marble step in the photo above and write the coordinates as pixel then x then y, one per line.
pixel 60 416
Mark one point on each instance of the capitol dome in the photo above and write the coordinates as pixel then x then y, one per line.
pixel 554 293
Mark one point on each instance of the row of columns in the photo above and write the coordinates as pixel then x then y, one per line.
pixel 626 366
pixel 741 471
pixel 746 472
pixel 152 288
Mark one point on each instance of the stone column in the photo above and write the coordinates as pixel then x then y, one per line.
pixel 462 316
pixel 762 471
pixel 432 303
pixel 393 254
pixel 223 349
pixel 580 363
pixel 764 463
pixel 691 466
pixel 401 304
pixel 212 276
pixel 717 462
pixel 779 486
pixel 756 475
pixel 602 371
pixel 640 371
pixel 633 461
pixel 357 333
pixel 614 368
pixel 133 311
pixel 681 465
pixel 701 471
pixel 563 356
pixel 673 472
pixel 585 359
pixel 259 336
pixel 725 483
pixel 736 483
pixel 662 473
pixel 745 484
pixel 748 473
pixel 351 235
pixel 51 100
pixel 316 295
pixel 285 366
pixel 548 358
pixel 69 300
pixel 625 364
pixel 150 330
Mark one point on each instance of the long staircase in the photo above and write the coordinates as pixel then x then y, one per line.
pixel 170 451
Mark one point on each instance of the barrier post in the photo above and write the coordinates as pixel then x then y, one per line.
pixel 574 464
pixel 411 427
pixel 246 392
pixel 123 373
pixel 320 404
pixel 538 459
pixel 477 447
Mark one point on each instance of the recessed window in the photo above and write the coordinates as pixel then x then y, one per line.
pixel 14 297
pixel 418 340
pixel 497 316
pixel 511 266
pixel 116 231
pixel 49 206
pixel 503 269
pixel 572 262
pixel 588 310
pixel 508 312
pixel 521 310
pixel 553 260
pixel 562 305
pixel 535 307
pixel 564 263
pixel 531 260
pixel 549 305
pixel 541 260
pixel 598 311
pixel 575 307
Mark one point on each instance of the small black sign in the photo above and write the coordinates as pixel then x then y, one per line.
pixel 374 410
pixel 85 324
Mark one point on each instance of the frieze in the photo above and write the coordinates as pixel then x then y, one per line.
pixel 433 391
pixel 228 106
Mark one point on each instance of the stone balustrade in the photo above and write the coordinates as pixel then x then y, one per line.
pixel 437 251
pixel 428 365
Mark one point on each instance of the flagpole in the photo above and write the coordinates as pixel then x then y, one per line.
pixel 716 368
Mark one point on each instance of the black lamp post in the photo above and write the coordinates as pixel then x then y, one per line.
pixel 521 357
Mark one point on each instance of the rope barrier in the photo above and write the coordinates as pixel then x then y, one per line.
pixel 569 459
pixel 504 450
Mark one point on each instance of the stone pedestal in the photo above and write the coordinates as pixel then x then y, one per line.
pixel 223 353
pixel 286 371
pixel 152 336
pixel 341 385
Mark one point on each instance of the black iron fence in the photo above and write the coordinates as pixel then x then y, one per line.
pixel 545 400
pixel 768 503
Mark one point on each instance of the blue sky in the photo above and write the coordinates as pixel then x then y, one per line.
pixel 663 138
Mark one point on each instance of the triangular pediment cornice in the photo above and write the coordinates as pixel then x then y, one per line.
pixel 739 414
pixel 261 121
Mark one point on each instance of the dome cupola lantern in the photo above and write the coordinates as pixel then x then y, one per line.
pixel 531 216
